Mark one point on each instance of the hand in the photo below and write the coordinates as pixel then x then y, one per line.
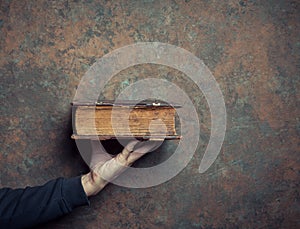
pixel 107 170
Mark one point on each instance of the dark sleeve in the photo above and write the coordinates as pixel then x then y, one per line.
pixel 22 208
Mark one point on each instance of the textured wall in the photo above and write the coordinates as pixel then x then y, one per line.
pixel 252 49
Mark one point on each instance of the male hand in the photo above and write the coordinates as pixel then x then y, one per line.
pixel 106 170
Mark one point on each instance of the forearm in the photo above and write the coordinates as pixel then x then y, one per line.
pixel 30 206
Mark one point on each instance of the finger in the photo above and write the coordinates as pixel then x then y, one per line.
pixel 134 156
pixel 131 145
pixel 129 148
pixel 142 150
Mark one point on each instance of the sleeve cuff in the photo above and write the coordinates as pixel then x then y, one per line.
pixel 73 192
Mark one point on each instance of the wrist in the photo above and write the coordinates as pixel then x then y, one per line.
pixel 92 183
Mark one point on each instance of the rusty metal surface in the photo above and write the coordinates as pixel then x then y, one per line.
pixel 252 49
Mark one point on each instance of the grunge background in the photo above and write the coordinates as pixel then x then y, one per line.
pixel 252 49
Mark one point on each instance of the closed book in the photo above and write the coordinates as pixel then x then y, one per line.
pixel 124 119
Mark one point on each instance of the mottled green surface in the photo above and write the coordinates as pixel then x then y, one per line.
pixel 252 49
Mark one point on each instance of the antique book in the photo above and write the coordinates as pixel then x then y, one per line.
pixel 108 120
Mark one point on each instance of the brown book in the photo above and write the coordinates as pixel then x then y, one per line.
pixel 143 120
